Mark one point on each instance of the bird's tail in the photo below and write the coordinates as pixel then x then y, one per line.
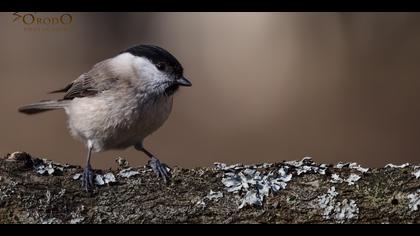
pixel 42 106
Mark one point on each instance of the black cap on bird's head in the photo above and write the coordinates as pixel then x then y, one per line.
pixel 162 59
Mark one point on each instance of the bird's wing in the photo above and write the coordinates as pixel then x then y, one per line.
pixel 89 84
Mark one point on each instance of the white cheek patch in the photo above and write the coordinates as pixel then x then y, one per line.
pixel 143 70
pixel 147 71
pixel 123 64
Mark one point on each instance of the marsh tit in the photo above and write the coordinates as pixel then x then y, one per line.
pixel 119 102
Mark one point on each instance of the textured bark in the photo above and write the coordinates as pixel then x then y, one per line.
pixel 380 196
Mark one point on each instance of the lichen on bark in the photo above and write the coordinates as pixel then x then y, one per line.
pixel 291 192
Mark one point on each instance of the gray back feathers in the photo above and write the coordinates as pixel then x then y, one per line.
pixel 98 79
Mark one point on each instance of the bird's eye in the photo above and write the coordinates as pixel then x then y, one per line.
pixel 161 66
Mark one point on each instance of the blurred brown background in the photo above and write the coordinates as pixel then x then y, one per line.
pixel 266 86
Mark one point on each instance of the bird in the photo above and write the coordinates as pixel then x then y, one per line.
pixel 119 102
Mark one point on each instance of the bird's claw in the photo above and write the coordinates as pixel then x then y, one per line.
pixel 161 170
pixel 88 179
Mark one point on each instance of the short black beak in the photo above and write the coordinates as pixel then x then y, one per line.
pixel 183 82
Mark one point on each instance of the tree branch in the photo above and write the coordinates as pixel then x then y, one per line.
pixel 39 191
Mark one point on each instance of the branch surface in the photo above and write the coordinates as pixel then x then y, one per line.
pixel 34 190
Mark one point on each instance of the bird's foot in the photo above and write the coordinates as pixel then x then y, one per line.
pixel 88 179
pixel 160 169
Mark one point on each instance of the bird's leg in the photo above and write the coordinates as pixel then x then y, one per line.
pixel 88 175
pixel 160 169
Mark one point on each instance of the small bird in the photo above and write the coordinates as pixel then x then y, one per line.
pixel 119 102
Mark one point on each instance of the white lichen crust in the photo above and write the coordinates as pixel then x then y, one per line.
pixel 340 211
